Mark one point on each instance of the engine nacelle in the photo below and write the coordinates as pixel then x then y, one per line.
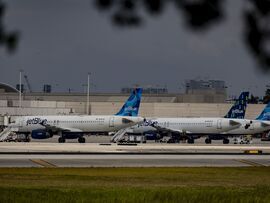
pixel 72 135
pixel 40 134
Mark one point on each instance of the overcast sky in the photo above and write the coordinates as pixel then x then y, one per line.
pixel 61 40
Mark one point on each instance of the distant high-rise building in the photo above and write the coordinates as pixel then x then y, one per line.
pixel 203 86
pixel 146 90
pixel 208 91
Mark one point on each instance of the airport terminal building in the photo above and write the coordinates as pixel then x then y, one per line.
pixel 201 99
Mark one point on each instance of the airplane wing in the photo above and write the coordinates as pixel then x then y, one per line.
pixel 166 129
pixel 60 128
pixel 233 123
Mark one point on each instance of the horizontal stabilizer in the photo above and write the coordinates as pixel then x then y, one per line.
pixel 265 124
pixel 126 121
pixel 234 123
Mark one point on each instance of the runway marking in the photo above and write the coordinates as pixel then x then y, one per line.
pixel 43 163
pixel 251 163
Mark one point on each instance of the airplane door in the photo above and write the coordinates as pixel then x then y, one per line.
pixel 167 124
pixel 111 122
pixel 21 123
pixel 219 126
pixel 251 127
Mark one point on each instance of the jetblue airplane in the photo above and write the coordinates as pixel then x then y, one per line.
pixel 75 127
pixel 193 128
pixel 235 115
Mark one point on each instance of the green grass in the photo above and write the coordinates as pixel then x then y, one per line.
pixel 251 184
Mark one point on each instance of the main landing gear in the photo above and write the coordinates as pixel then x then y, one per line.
pixel 61 140
pixel 226 141
pixel 27 138
pixel 81 140
pixel 190 141
pixel 208 141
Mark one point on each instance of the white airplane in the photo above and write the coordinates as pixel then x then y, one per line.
pixel 75 127
pixel 218 128
pixel 71 127
pixel 192 127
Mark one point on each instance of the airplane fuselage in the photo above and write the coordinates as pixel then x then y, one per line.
pixel 199 126
pixel 86 124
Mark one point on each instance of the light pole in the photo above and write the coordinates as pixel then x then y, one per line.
pixel 88 112
pixel 20 89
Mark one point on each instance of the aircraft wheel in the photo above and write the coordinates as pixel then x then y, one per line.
pixel 81 140
pixel 27 138
pixel 208 141
pixel 226 141
pixel 61 140
pixel 190 141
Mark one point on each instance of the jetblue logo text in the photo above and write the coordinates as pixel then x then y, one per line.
pixel 237 111
pixel 149 123
pixel 34 121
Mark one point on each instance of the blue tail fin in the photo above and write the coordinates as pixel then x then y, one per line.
pixel 265 115
pixel 132 105
pixel 238 110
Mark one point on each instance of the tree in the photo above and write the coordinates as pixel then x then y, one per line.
pixel 266 98
pixel 253 99
pixel 7 39
pixel 199 15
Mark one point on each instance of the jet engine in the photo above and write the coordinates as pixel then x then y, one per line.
pixel 40 134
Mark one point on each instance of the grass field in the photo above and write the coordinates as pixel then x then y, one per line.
pixel 251 184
